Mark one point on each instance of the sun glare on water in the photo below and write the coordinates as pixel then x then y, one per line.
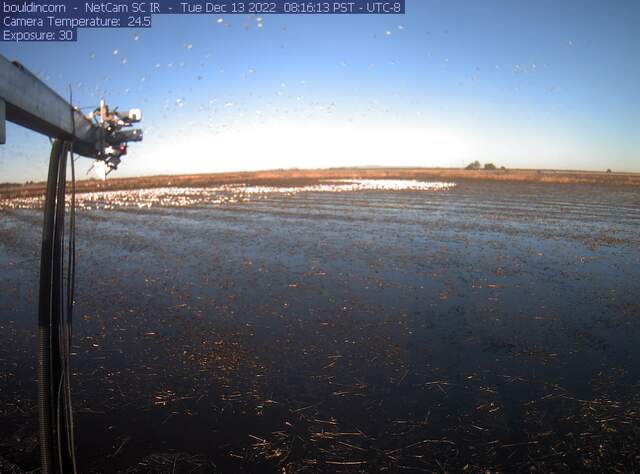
pixel 226 194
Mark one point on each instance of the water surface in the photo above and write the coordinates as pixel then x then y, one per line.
pixel 382 327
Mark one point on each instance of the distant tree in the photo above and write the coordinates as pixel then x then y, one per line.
pixel 490 166
pixel 608 170
pixel 475 165
pixel 503 168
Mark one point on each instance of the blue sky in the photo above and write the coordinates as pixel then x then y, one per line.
pixel 525 84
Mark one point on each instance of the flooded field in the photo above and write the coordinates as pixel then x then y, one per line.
pixel 342 327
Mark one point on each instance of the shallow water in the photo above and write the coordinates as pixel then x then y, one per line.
pixel 486 325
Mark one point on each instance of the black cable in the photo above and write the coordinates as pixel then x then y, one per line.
pixel 68 320
pixel 49 311
pixel 57 298
pixel 55 316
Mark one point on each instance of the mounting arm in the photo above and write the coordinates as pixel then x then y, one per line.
pixel 29 102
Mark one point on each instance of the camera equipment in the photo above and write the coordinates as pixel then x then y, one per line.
pixel 114 141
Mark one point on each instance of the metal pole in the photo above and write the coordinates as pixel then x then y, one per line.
pixel 29 102
pixel 3 123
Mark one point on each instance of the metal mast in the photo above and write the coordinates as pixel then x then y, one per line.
pixel 29 102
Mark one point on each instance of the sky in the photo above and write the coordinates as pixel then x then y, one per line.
pixel 522 84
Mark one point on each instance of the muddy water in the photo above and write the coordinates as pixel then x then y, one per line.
pixel 486 326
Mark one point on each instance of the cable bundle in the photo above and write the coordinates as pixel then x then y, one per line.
pixel 55 310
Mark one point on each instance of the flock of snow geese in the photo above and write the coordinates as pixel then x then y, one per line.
pixel 220 195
